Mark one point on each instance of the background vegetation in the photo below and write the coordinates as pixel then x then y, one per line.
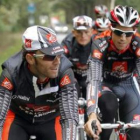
pixel 15 15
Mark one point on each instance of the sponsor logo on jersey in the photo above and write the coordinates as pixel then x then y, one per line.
pixel 51 38
pixel 82 66
pixel 138 52
pixel 28 43
pixel 65 81
pixel 21 97
pixel 103 45
pixel 66 49
pixel 90 103
pixel 97 54
pixel 7 84
pixel 136 117
pixel 135 43
pixel 38 108
pixel 120 67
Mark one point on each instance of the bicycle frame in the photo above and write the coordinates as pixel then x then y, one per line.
pixel 81 135
pixel 121 135
pixel 120 128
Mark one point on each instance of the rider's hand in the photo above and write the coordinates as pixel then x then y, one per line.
pixel 88 127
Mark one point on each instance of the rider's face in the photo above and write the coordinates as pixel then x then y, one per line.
pixel 83 37
pixel 120 39
pixel 43 67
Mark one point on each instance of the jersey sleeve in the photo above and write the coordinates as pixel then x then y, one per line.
pixel 136 47
pixel 68 104
pixel 94 76
pixel 6 88
pixel 66 43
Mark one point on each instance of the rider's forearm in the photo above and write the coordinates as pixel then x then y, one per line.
pixel 138 69
pixel 5 98
pixel 68 129
pixel 69 111
pixel 93 79
pixel 92 116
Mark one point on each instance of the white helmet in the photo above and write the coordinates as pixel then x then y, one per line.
pixel 124 16
pixel 101 10
pixel 102 23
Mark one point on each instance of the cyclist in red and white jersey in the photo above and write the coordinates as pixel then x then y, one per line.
pixel 37 90
pixel 114 57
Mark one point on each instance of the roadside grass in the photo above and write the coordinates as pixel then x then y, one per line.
pixel 10 44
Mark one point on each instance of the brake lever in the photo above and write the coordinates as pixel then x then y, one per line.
pixel 94 126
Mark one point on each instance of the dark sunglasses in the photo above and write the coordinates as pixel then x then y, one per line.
pixel 119 32
pixel 82 24
pixel 46 57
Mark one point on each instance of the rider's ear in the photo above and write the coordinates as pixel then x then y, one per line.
pixel 30 59
pixel 73 32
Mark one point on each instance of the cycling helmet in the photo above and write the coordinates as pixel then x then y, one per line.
pixel 124 16
pixel 100 10
pixel 102 24
pixel 82 22
pixel 43 39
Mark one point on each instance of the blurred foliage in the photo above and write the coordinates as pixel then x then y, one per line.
pixel 10 44
pixel 132 3
pixel 14 14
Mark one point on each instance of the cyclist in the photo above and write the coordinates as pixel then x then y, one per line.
pixel 114 57
pixel 77 48
pixel 37 86
pixel 101 11
pixel 102 24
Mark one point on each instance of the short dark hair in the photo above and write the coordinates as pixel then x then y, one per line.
pixel 24 52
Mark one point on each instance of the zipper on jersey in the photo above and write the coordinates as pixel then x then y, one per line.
pixel 41 84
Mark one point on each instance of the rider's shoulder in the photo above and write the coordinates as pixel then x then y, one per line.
pixel 104 35
pixel 65 64
pixel 13 62
pixel 69 37
pixel 101 41
pixel 136 40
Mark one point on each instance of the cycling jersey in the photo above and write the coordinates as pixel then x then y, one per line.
pixel 78 55
pixel 39 102
pixel 111 76
pixel 116 65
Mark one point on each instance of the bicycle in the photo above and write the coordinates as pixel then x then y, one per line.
pixel 81 134
pixel 119 127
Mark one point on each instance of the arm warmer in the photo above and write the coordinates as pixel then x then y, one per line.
pixel 94 76
pixel 5 99
pixel 69 111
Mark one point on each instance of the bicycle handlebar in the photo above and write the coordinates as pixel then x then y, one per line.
pixel 120 126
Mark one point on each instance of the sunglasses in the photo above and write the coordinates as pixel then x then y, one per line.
pixel 46 57
pixel 82 24
pixel 119 32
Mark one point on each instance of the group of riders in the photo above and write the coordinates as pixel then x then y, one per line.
pixel 105 60
pixel 99 61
